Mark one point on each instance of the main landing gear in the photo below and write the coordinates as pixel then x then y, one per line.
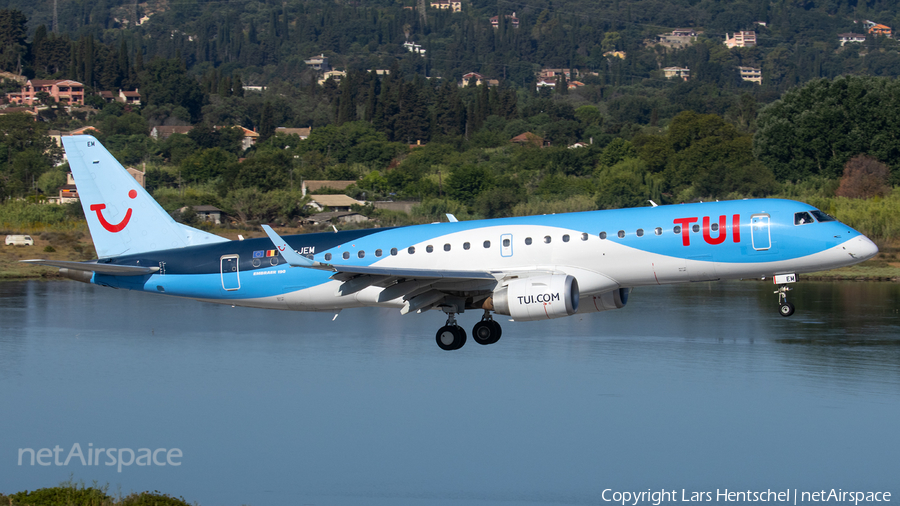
pixel 785 308
pixel 452 337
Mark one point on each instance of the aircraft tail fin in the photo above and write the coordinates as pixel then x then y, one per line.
pixel 123 218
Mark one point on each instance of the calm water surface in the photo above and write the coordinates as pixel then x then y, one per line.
pixel 698 387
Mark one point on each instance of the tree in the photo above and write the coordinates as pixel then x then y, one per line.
pixel 815 129
pixel 864 177
pixel 167 82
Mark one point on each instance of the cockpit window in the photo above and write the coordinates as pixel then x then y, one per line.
pixel 822 217
pixel 802 218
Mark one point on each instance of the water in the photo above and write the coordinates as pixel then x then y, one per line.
pixel 698 387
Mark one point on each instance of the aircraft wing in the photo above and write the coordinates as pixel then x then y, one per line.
pixel 111 269
pixel 421 288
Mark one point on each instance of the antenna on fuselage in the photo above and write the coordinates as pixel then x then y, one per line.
pixel 654 204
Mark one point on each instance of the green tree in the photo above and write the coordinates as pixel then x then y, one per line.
pixel 815 129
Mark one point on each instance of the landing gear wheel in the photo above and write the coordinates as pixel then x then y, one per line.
pixel 486 332
pixel 450 337
pixel 786 309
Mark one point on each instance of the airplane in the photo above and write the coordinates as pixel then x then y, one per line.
pixel 527 268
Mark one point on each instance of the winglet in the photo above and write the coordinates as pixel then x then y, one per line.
pixel 293 258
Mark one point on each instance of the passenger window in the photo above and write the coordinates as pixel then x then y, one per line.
pixel 677 229
pixel 361 254
pixel 566 238
pixel 696 228
pixel 429 248
pixel 802 218
pixel 640 232
pixel 527 241
pixel 546 239
pixel 393 252
pixel 657 230
pixel 621 234
pixel 603 235
pixel 466 246
pixel 447 247
pixel 505 243
pixel 378 252
pixel 346 255
pixel 584 236
pixel 327 257
pixel 411 250
pixel 714 227
pixel 487 244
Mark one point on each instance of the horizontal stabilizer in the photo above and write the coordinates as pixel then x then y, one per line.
pixel 111 269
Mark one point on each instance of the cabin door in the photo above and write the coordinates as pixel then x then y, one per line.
pixel 760 234
pixel 229 271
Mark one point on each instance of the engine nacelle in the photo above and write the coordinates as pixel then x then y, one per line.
pixel 538 298
pixel 615 299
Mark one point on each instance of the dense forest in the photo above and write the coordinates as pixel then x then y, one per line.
pixel 643 136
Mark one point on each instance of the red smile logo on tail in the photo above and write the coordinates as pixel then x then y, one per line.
pixel 98 208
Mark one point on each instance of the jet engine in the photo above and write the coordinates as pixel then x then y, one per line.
pixel 615 299
pixel 537 298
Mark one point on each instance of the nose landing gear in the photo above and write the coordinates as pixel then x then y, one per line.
pixel 785 308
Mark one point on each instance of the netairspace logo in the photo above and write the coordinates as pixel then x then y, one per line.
pixel 795 496
pixel 120 457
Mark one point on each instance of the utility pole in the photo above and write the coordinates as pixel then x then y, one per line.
pixel 55 18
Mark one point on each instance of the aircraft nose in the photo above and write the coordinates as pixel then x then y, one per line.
pixel 861 248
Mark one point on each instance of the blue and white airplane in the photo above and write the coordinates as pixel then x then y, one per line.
pixel 527 268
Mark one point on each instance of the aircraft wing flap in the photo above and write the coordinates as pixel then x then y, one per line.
pixel 402 272
pixel 110 269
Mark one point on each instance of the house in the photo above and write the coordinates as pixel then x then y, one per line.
pixel 412 47
pixel 575 84
pixel 129 97
pixel 741 39
pixel 333 202
pixel 479 79
pixel 302 132
pixel 211 214
pixel 752 74
pixel 319 63
pixel 546 83
pixel 337 75
pixel 68 192
pixel 61 90
pixel 451 5
pixel 163 132
pixel 677 72
pixel 107 96
pixel 851 37
pixel 138 175
pixel 513 20
pixel 248 139
pixel 530 138
pixel 336 217
pixel 677 38
pixel 314 186
pixel 877 29
pixel 554 73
